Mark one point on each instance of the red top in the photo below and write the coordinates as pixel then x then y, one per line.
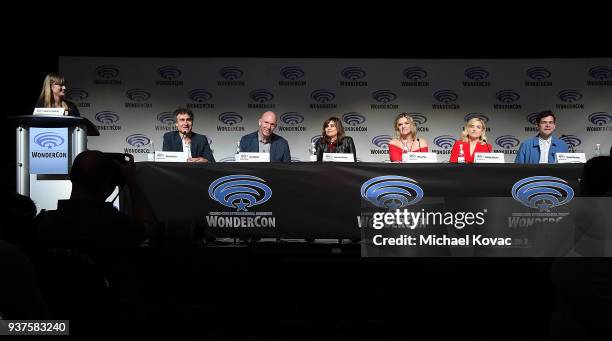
pixel 469 158
pixel 395 152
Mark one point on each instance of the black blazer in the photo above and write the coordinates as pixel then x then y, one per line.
pixel 346 145
pixel 199 145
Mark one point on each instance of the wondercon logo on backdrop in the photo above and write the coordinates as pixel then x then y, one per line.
pixel 292 118
pixel 200 95
pixel 230 118
pixel 292 73
pixel 315 139
pixel 470 116
pixel 76 94
pixel 445 96
pixel 381 141
pixel 538 73
pixel 353 73
pixel 569 95
pixel 107 117
pixel 261 95
pixel 48 140
pixel 169 72
pixel 507 96
pixel 384 96
pixel 600 72
pixel 353 118
pixel 231 73
pixel 391 191
pixel 600 118
pixel 415 73
pixel 138 95
pixel 507 141
pixel 571 140
pixel 542 192
pixel 167 118
pixel 107 71
pixel 137 140
pixel 476 73
pixel 239 191
pixel 323 95
pixel 418 118
pixel 444 141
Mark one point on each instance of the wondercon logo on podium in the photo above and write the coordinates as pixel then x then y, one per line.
pixel 542 192
pixel 48 140
pixel 239 191
pixel 391 191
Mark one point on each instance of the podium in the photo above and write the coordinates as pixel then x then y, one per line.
pixel 78 128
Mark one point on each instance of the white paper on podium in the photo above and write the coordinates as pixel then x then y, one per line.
pixel 571 158
pixel 489 158
pixel 161 156
pixel 253 157
pixel 48 111
pixel 419 157
pixel 338 157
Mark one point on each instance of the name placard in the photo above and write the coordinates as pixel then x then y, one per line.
pixel 338 157
pixel 571 158
pixel 253 157
pixel 489 158
pixel 161 156
pixel 411 157
pixel 49 111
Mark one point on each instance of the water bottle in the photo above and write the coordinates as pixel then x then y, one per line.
pixel 461 158
pixel 151 153
pixel 237 155
pixel 597 150
pixel 313 152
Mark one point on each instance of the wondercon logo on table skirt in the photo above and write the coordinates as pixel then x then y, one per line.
pixel 542 192
pixel 391 191
pixel 240 191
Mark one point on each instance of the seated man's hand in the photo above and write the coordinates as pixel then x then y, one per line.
pixel 196 159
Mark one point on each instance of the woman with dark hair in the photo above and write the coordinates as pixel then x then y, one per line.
pixel 52 95
pixel 333 140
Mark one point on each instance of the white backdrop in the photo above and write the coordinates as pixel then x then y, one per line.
pixel 131 100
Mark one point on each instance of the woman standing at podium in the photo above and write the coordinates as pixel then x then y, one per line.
pixel 52 95
pixel 405 139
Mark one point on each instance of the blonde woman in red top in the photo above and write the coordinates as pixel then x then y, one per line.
pixel 473 140
pixel 405 139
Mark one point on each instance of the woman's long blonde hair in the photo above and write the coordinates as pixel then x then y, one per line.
pixel 46 95
pixel 483 136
